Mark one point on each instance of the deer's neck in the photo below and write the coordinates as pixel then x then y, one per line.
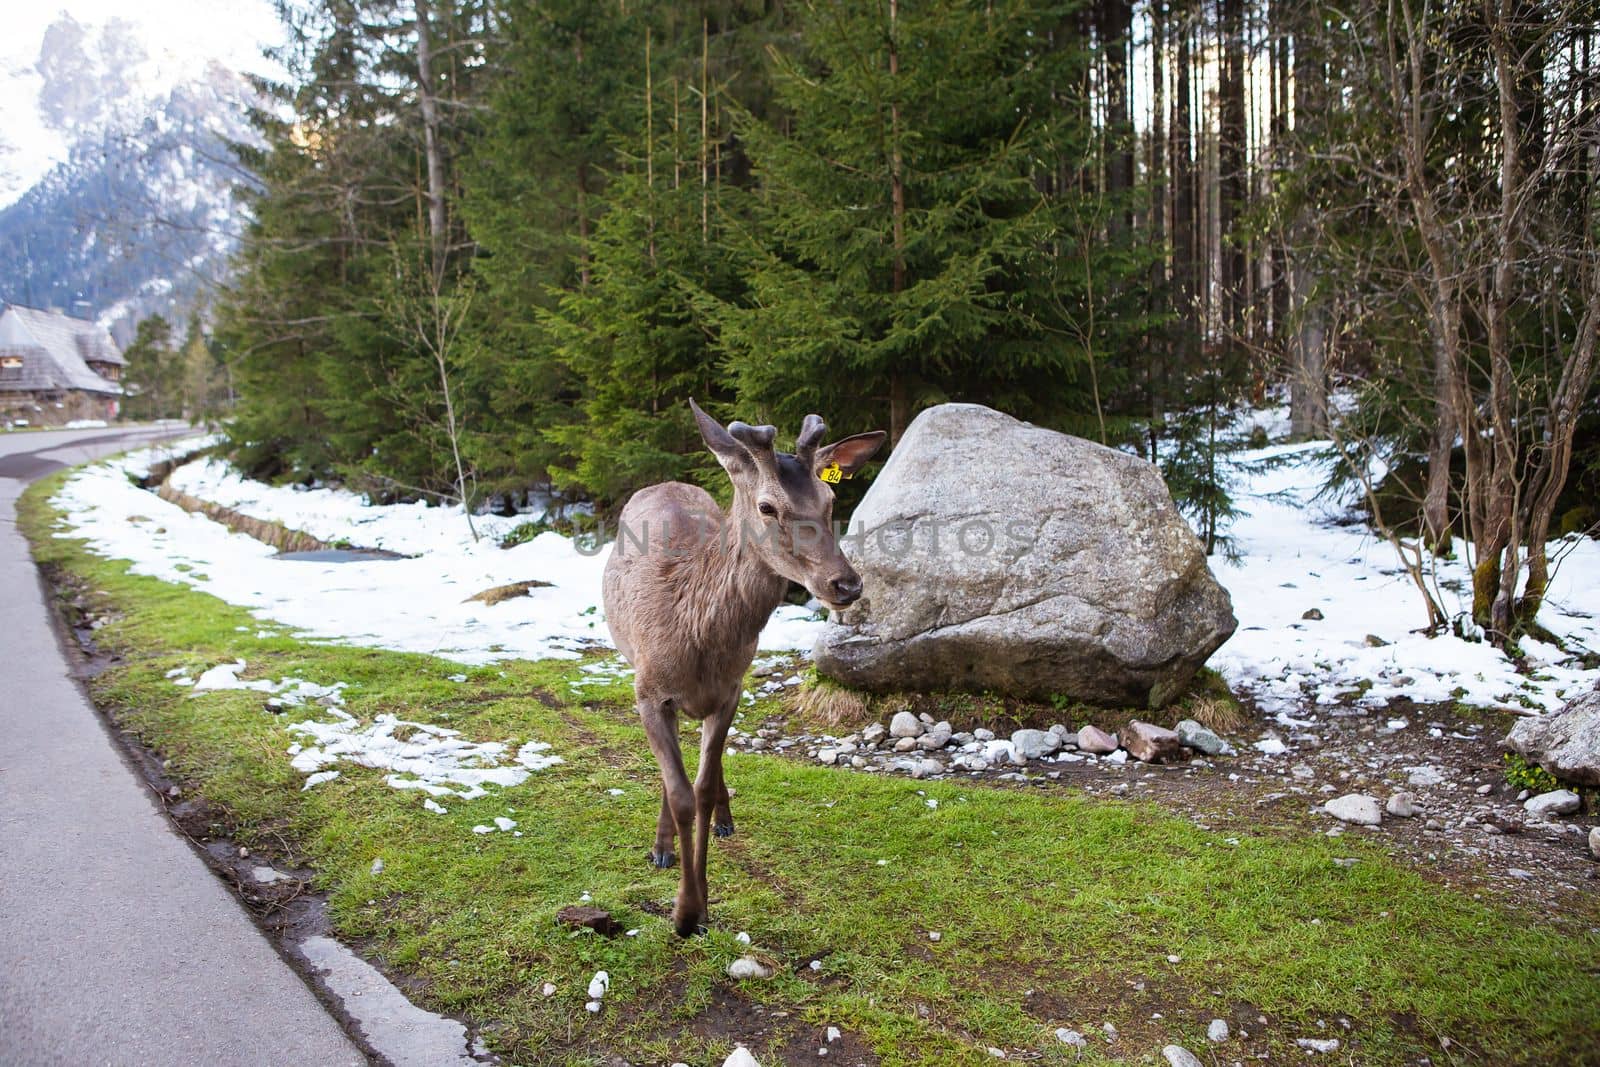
pixel 735 589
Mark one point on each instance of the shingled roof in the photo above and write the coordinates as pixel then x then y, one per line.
pixel 55 351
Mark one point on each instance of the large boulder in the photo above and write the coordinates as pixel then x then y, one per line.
pixel 1000 556
pixel 1566 743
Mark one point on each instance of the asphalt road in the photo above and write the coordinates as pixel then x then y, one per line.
pixel 117 944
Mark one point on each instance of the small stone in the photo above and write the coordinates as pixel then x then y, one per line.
pixel 749 966
pixel 1485 789
pixel 1178 1056
pixel 1193 735
pixel 934 935
pixel 741 1057
pixel 1314 615
pixel 586 917
pixel 905 724
pixel 1030 744
pixel 874 733
pixel 1093 739
pixel 1149 743
pixel 1402 806
pixel 981 734
pixel 936 737
pixel 828 755
pixel 1374 641
pixel 1218 1030
pixel 1061 731
pixel 1594 842
pixel 1519 873
pixel 377 865
pixel 905 744
pixel 599 984
pixel 834 1034
pixel 592 1006
pixel 1071 1038
pixel 1555 802
pixel 1355 808
pixel 970 761
pixel 1315 1044
pixel 548 989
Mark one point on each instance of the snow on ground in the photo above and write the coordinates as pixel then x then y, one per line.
pixel 409 605
pixel 432 759
pixel 1293 558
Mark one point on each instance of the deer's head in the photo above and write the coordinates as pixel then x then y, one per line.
pixel 782 507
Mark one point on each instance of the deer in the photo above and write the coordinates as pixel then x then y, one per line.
pixel 687 590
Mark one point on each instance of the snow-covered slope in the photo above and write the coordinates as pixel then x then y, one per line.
pixel 139 217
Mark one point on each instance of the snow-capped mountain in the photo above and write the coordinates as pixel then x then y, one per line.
pixel 140 216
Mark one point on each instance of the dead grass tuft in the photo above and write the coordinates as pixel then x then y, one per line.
pixel 498 593
pixel 825 704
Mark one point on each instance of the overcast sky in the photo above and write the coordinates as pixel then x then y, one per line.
pixel 180 36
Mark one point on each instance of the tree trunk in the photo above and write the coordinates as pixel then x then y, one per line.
pixel 899 402
pixel 1231 163
pixel 1307 344
pixel 1184 242
pixel 430 139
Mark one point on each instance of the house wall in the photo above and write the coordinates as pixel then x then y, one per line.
pixel 58 408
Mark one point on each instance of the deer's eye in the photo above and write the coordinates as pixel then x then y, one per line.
pixel 766 508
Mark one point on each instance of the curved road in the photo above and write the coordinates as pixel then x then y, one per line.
pixel 117 944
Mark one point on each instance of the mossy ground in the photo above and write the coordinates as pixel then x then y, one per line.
pixel 1053 909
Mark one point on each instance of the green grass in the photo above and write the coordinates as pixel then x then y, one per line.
pixel 1054 909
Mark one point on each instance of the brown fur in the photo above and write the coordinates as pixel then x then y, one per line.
pixel 687 590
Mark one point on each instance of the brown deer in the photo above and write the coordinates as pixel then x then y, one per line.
pixel 687 590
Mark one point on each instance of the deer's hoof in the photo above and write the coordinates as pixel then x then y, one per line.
pixel 690 928
pixel 723 829
pixel 662 859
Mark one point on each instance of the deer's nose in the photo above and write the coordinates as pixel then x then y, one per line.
pixel 846 589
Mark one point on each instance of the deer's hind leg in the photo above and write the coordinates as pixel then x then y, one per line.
pixel 722 824
pixel 661 854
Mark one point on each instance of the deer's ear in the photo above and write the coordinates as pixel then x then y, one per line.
pixel 850 453
pixel 730 453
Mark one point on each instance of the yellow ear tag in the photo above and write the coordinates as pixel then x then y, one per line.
pixel 831 474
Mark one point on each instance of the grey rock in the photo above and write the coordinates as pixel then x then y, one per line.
pixel 970 761
pixel 748 967
pixel 1313 614
pixel 1096 589
pixel 1355 808
pixel 1178 1056
pixel 1594 842
pixel 1093 739
pixel 1566 742
pixel 1402 805
pixel 1061 731
pixel 1150 743
pixel 1030 744
pixel 1202 739
pixel 982 734
pixel 936 737
pixel 829 756
pixel 905 724
pixel 874 733
pixel 1218 1030
pixel 1071 1038
pixel 1555 802
pixel 906 744
pixel 1318 1044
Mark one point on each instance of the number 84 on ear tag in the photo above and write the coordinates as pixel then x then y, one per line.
pixel 831 474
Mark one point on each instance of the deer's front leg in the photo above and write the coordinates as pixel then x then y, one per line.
pixel 709 793
pixel 661 727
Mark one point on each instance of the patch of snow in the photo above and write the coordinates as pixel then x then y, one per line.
pixel 1295 556
pixel 433 759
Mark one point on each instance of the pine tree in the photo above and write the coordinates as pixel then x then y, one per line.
pixel 902 252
